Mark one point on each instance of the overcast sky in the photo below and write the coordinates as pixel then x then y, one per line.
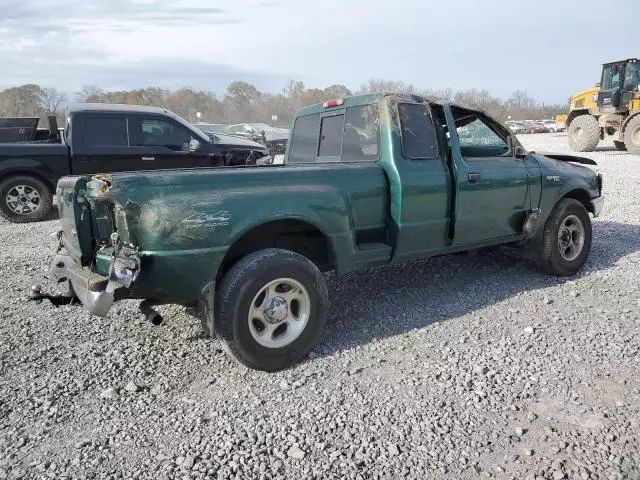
pixel 550 48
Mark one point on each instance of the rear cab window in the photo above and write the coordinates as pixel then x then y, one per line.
pixel 348 135
pixel 104 131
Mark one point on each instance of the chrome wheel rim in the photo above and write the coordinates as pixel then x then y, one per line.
pixel 23 199
pixel 571 238
pixel 279 313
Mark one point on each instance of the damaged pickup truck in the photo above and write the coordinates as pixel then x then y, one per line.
pixel 367 180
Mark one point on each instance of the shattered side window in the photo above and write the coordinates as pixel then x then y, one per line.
pixel 478 134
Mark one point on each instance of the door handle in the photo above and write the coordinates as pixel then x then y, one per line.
pixel 473 177
pixel 148 158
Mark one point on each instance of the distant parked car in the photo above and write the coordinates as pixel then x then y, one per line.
pixel 214 128
pixel 540 127
pixel 274 138
pixel 516 128
pixel 553 126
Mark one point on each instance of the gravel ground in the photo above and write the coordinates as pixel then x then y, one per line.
pixel 457 367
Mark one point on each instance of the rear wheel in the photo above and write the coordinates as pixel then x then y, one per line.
pixel 566 239
pixel 271 308
pixel 632 135
pixel 584 133
pixel 24 199
pixel 620 145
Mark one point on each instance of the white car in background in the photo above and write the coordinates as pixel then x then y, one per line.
pixel 552 126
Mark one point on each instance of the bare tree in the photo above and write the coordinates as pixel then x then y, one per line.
pixel 51 100
pixel 90 93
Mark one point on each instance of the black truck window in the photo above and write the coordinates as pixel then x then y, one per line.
pixel 104 131
pixel 152 132
pixel 419 139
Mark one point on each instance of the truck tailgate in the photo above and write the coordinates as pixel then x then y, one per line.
pixel 75 218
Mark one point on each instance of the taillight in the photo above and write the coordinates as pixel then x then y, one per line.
pixel 333 103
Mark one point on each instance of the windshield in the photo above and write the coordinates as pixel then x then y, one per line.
pixel 632 76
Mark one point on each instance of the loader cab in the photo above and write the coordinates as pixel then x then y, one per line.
pixel 620 83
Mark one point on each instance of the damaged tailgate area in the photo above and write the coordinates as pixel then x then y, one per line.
pixel 92 263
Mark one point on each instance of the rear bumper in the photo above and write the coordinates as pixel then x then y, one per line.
pixel 596 204
pixel 96 292
pixel 73 281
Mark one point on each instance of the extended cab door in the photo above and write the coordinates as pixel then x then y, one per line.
pixel 420 182
pixel 492 184
pixel 99 143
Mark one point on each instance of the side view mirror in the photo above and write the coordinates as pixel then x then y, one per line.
pixel 194 145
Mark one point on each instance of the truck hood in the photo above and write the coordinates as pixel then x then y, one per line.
pixel 563 157
pixel 561 168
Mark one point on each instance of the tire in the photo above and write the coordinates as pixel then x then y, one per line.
pixel 584 133
pixel 552 130
pixel 555 257
pixel 632 135
pixel 25 199
pixel 271 339
pixel 620 145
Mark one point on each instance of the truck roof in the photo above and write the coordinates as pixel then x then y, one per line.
pixel 117 107
pixel 366 98
pixel 622 60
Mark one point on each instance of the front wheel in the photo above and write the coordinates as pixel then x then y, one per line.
pixel 271 308
pixel 566 239
pixel 583 133
pixel 632 135
pixel 24 199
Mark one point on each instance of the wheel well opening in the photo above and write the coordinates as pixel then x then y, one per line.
pixel 575 114
pixel 581 196
pixel 20 173
pixel 295 235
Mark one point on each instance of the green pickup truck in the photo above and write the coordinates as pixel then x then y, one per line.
pixel 366 180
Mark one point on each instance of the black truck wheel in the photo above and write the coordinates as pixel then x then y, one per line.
pixel 566 239
pixel 583 133
pixel 271 308
pixel 24 199
pixel 632 135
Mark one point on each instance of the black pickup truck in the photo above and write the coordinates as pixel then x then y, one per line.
pixel 103 138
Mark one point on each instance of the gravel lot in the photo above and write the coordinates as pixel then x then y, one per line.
pixel 457 367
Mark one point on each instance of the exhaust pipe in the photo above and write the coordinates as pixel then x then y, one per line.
pixel 150 314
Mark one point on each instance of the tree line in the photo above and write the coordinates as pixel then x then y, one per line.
pixel 243 102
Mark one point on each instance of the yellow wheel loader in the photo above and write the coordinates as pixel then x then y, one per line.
pixel 611 108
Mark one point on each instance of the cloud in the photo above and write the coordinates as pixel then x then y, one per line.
pixel 539 46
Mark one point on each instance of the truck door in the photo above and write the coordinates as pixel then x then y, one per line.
pixel 161 143
pixel 419 183
pixel 492 184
